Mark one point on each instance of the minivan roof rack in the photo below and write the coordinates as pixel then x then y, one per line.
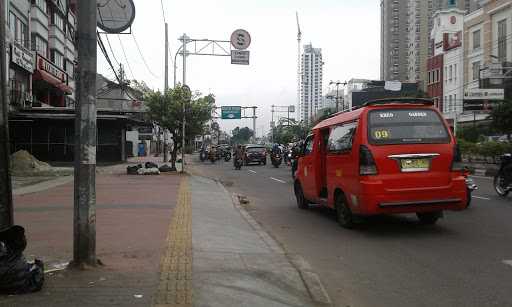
pixel 404 100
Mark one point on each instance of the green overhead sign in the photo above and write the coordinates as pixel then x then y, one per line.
pixel 231 112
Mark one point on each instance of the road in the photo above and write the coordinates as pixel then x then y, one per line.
pixel 463 260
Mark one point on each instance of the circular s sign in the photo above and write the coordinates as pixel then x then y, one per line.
pixel 240 39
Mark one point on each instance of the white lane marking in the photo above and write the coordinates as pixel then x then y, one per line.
pixel 509 262
pixel 480 197
pixel 278 180
pixel 251 171
pixel 482 177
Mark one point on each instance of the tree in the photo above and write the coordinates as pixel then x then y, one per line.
pixel 241 135
pixel 166 109
pixel 502 118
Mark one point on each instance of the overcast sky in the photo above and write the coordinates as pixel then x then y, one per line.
pixel 348 31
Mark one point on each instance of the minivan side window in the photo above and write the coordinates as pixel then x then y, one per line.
pixel 308 145
pixel 341 138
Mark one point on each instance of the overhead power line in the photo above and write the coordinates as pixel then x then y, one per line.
pixel 142 56
pixel 125 57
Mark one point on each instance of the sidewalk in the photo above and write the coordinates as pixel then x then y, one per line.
pixel 165 240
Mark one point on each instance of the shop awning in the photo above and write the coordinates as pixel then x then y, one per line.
pixel 42 75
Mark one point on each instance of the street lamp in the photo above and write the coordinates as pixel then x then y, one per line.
pixel 338 83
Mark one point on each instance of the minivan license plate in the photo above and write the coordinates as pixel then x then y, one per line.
pixel 415 165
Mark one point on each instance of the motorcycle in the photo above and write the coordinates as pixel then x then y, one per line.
pixel 203 155
pixel 276 159
pixel 470 186
pixel 238 163
pixel 503 180
pixel 227 156
pixel 212 156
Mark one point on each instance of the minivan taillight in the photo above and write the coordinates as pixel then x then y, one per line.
pixel 367 164
pixel 457 160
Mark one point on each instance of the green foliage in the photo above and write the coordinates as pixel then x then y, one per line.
pixel 502 118
pixel 241 135
pixel 166 109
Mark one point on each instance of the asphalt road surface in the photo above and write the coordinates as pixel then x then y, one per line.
pixel 463 260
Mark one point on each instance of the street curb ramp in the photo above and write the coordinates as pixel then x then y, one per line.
pixel 311 281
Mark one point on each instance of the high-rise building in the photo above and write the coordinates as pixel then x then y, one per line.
pixel 405 30
pixel 393 61
pixel 311 82
pixel 420 14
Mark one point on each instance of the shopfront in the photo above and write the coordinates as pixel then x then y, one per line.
pixel 20 68
pixel 50 84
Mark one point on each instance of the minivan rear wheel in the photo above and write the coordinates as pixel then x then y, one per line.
pixel 429 218
pixel 343 213
pixel 302 202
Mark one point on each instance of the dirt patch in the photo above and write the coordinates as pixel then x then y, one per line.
pixel 24 164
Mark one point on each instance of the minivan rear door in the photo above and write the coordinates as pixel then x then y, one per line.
pixel 412 147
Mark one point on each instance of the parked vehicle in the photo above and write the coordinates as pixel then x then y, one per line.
pixel 390 156
pixel 255 154
pixel 503 179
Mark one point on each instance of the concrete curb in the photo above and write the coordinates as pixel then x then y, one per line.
pixel 311 281
pixel 43 186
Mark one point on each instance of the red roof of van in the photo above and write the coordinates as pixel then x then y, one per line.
pixel 340 118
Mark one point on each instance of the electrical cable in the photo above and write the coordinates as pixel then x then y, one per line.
pixel 125 57
pixel 111 50
pixel 142 57
pixel 104 51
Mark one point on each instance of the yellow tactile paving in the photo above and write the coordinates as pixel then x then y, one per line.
pixel 175 287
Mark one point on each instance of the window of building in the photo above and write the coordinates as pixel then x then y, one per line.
pixel 42 5
pixel 476 70
pixel 57 58
pixel 502 40
pixel 455 73
pixel 450 73
pixel 19 30
pixel 476 39
pixel 57 20
pixel 69 67
pixel 40 45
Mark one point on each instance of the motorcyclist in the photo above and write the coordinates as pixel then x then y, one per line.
pixel 239 154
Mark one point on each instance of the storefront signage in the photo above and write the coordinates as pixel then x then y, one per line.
pixel 49 67
pixel 487 94
pixel 22 57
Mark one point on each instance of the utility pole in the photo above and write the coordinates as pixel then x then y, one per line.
pixel 6 214
pixel 84 222
pixel 184 39
pixel 166 87
pixel 254 123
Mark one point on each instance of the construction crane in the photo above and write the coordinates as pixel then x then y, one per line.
pixel 299 38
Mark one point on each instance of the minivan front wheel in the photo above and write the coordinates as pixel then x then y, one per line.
pixel 343 213
pixel 302 202
pixel 429 218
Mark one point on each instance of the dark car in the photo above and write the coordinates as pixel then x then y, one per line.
pixel 255 154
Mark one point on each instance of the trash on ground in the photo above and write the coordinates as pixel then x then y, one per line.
pixel 166 168
pixel 22 162
pixel 148 171
pixel 57 267
pixel 138 295
pixel 151 165
pixel 17 275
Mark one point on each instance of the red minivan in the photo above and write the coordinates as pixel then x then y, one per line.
pixel 389 156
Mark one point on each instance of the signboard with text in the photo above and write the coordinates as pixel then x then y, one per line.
pixel 231 112
pixel 240 57
pixel 22 57
pixel 481 94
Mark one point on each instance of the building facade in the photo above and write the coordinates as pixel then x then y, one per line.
pixel 405 31
pixel 394 40
pixel 445 82
pixel 421 21
pixel 311 82
pixel 41 86
pixel 487 45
